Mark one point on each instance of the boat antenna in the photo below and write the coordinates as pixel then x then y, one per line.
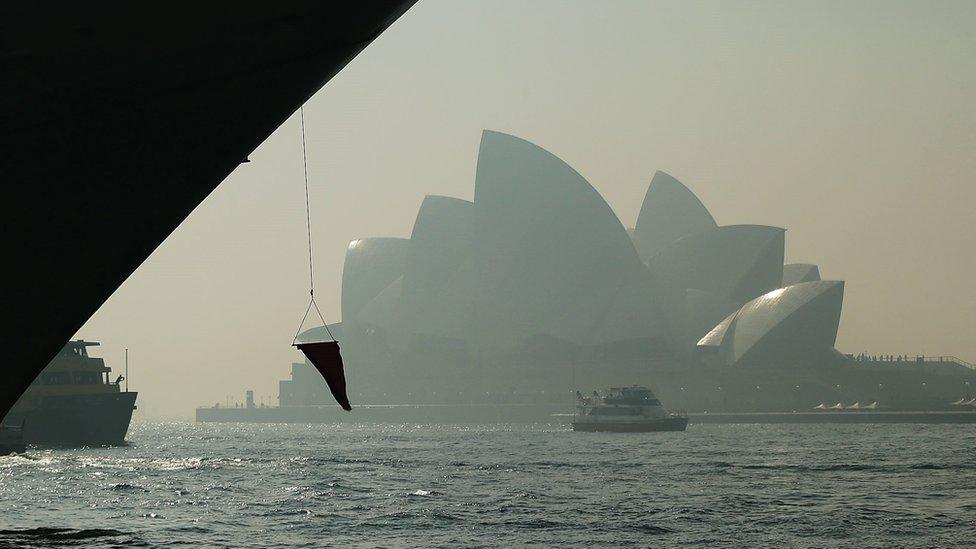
pixel 127 369
pixel 308 227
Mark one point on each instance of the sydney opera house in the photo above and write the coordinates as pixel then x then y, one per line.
pixel 536 289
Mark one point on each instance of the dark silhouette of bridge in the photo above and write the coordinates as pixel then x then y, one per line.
pixel 116 122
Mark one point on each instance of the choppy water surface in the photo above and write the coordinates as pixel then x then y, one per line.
pixel 498 485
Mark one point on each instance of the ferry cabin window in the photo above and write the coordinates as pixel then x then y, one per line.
pixel 87 378
pixel 616 411
pixel 56 378
pixel 71 378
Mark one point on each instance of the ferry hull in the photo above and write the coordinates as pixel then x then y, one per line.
pixel 77 420
pixel 650 426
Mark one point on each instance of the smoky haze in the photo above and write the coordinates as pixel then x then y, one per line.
pixel 852 125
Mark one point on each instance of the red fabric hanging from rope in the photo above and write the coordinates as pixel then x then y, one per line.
pixel 327 360
pixel 324 355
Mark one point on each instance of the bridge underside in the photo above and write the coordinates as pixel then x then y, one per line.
pixel 115 126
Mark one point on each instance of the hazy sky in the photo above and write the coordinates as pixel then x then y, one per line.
pixel 852 124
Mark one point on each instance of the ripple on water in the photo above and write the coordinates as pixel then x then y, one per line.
pixel 504 485
pixel 54 537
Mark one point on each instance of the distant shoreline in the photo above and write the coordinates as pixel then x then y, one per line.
pixel 542 413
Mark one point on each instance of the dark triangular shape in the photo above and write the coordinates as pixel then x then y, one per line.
pixel 327 360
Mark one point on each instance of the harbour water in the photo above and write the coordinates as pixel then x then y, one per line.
pixel 259 485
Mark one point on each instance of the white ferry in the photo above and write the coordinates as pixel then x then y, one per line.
pixel 625 410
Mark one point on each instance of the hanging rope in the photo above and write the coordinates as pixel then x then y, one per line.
pixel 308 210
pixel 308 226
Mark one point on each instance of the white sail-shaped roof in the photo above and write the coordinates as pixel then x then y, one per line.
pixel 699 313
pixel 795 273
pixel 670 211
pixel 371 264
pixel 549 253
pixel 734 262
pixel 631 311
pixel 796 321
pixel 437 298
pixel 381 311
pixel 714 340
